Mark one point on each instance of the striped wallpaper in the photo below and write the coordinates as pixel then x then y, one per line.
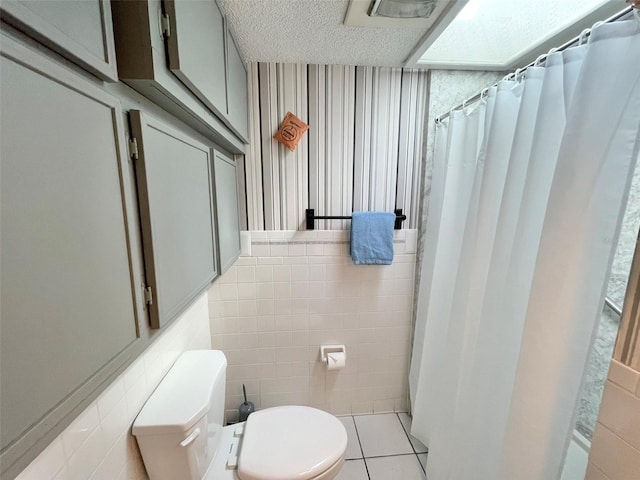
pixel 363 150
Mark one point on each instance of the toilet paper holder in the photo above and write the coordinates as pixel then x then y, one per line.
pixel 326 349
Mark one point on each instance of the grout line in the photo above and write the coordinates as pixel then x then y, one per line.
pixel 355 426
pixel 394 455
pixel 406 433
pixel 423 467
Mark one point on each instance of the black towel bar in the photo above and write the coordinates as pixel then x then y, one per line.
pixel 311 217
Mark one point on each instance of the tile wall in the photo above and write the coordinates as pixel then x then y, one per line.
pixel 98 445
pixel 293 291
pixel 615 448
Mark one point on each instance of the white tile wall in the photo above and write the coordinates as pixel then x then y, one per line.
pixel 98 445
pixel 615 449
pixel 271 312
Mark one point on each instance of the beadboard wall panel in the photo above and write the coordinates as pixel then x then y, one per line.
pixel 363 150
pixel 253 157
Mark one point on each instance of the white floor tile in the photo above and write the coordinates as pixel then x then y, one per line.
pixel 353 470
pixel 418 446
pixel 381 435
pixel 422 457
pixel 353 446
pixel 406 467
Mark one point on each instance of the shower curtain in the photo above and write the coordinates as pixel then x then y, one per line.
pixel 528 191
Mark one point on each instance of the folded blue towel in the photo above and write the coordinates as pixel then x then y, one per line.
pixel 372 238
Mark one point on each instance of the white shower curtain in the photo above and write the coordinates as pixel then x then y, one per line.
pixel 527 195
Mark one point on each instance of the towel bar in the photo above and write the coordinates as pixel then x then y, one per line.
pixel 311 217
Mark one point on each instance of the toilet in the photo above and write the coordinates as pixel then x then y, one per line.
pixel 181 435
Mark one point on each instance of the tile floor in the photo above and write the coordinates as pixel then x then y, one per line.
pixel 380 448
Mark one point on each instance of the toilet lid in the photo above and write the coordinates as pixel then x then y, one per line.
pixel 293 443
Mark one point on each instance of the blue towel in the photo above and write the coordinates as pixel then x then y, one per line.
pixel 372 238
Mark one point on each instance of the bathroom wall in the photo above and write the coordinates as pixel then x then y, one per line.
pixel 615 448
pixel 363 149
pixel 294 291
pixel 602 350
pixel 98 445
pixel 447 89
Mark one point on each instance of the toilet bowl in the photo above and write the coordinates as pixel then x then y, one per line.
pixel 180 434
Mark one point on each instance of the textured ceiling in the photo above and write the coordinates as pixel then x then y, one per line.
pixel 312 31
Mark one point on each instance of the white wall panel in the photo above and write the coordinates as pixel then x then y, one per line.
pixel 253 157
pixel 338 164
pixel 362 140
pixel 293 166
pixel 363 150
pixel 317 123
pixel 412 106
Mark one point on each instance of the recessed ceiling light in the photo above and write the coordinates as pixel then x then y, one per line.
pixel 402 8
pixel 440 13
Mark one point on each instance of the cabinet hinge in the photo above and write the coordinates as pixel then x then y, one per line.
pixel 148 296
pixel 166 25
pixel 133 148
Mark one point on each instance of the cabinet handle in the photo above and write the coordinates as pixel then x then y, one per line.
pixel 189 440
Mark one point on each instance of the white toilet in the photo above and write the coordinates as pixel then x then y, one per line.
pixel 181 436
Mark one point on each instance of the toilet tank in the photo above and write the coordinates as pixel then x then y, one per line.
pixel 179 428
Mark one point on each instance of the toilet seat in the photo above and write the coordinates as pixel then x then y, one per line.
pixel 292 443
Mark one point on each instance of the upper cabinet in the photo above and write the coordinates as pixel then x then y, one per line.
pixel 237 89
pixel 80 31
pixel 227 217
pixel 195 50
pixel 179 54
pixel 176 201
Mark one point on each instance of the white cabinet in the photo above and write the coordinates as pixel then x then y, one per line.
pixel 81 31
pixel 176 53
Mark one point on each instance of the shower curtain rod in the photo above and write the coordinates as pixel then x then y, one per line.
pixel 542 58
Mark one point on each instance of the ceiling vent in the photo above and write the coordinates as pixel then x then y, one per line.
pixel 402 8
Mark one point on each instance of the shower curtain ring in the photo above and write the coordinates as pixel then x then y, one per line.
pixel 519 73
pixel 539 60
pixel 583 36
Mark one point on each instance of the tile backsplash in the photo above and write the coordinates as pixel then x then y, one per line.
pixel 98 445
pixel 615 449
pixel 293 291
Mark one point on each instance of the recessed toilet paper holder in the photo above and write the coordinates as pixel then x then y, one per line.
pixel 326 349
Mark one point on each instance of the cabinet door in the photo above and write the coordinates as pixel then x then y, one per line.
pixel 196 50
pixel 237 97
pixel 68 302
pixel 227 210
pixel 81 31
pixel 176 212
